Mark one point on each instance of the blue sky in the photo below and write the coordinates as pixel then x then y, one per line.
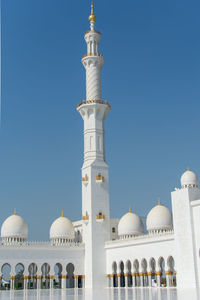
pixel 151 78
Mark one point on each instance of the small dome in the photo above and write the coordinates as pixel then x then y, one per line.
pixel 62 228
pixel 189 179
pixel 159 218
pixel 130 224
pixel 14 227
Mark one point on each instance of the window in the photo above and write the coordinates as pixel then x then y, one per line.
pixel 113 230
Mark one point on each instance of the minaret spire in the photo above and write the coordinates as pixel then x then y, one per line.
pixel 92 17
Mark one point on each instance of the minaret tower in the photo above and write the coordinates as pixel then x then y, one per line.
pixel 95 185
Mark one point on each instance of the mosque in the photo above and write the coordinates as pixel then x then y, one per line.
pixel 162 249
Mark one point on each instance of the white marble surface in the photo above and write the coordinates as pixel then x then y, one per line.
pixel 106 294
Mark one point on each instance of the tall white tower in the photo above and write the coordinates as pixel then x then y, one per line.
pixel 95 185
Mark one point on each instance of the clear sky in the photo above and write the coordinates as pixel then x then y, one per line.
pixel 151 78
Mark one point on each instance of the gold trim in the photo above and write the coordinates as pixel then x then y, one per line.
pixel 158 273
pixel 85 179
pixel 112 275
pixel 100 217
pixel 100 177
pixel 82 276
pixel 118 275
pixel 149 273
pixel 92 17
pixel 134 274
pixel 108 275
pixel 85 218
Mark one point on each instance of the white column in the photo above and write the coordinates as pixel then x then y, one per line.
pixel 39 278
pixel 75 281
pixel 158 279
pixel 133 279
pixel 25 282
pixel 83 281
pixel 126 279
pixel 51 281
pixel 145 279
pixel 63 281
pixel 108 280
pixel 149 274
pixel 141 279
pixel 118 279
pixel 12 282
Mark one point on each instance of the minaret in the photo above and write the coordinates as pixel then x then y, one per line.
pixel 95 185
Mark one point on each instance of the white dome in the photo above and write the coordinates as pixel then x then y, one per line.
pixel 189 179
pixel 14 227
pixel 159 218
pixel 62 228
pixel 130 224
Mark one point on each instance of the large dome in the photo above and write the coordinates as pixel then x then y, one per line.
pixel 62 228
pixel 14 227
pixel 130 224
pixel 189 179
pixel 159 218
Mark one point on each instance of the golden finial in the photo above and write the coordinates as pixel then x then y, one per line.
pixel 15 212
pixel 159 201
pixel 92 17
pixel 62 214
pixel 188 168
pixel 130 209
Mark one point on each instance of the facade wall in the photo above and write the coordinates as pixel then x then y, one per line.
pixel 140 248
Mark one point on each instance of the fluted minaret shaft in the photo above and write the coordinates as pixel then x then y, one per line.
pixel 93 62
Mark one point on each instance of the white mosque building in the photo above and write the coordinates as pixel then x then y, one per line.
pixel 162 249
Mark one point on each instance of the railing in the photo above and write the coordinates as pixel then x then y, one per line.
pixel 92 54
pixel 126 238
pixel 94 101
pixel 41 244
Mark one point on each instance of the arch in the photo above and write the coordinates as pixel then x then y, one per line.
pixel 171 271
pixel 144 279
pixel 136 271
pixel 114 273
pixel 122 277
pixel 58 272
pixel 19 276
pixel 32 269
pixel 161 268
pixel 45 268
pixel 6 270
pixel 129 275
pixel 70 275
pixel 152 268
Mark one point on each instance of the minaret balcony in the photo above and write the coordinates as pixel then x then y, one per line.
pixel 100 218
pixel 85 219
pixel 99 178
pixel 85 180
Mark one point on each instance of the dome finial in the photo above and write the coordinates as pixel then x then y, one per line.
pixel 188 168
pixel 62 214
pixel 92 17
pixel 159 201
pixel 130 209
pixel 15 212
